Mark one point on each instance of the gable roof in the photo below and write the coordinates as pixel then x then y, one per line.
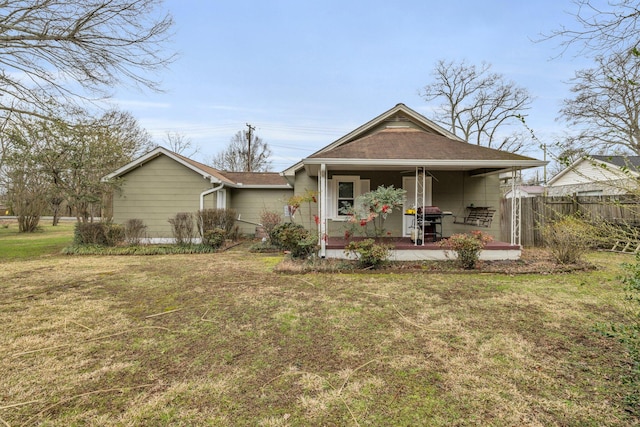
pixel 215 176
pixel 617 162
pixel 631 162
pixel 409 143
pixel 399 114
pixel 401 138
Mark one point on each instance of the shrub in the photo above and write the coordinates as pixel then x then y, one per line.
pixel 373 208
pixel 627 332
pixel 294 238
pixel 182 228
pixel 568 239
pixel 305 246
pixel 210 219
pixel 214 238
pixel 467 247
pixel 134 231
pixel 269 220
pixel 98 233
pixel 369 253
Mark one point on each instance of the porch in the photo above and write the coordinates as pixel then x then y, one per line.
pixel 403 249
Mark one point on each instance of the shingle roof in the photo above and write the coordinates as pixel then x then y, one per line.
pixel 409 143
pixel 632 162
pixel 208 169
pixel 239 178
pixel 255 178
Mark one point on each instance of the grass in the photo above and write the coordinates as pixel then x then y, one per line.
pixel 221 339
pixel 47 240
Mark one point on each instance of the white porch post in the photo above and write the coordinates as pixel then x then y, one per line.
pixel 322 189
pixel 516 210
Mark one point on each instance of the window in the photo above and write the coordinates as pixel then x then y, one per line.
pixel 346 196
pixel 342 191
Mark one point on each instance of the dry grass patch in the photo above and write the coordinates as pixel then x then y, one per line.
pixel 220 339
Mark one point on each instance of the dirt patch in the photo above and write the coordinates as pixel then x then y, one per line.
pixel 532 261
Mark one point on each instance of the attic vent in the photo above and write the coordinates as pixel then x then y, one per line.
pixel 397 127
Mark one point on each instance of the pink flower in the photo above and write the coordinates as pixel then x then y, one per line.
pixel 317 219
pixel 385 208
pixel 363 222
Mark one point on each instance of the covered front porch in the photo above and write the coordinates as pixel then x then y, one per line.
pixel 404 249
pixel 439 172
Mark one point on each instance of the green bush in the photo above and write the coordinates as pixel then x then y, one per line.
pixel 294 238
pixel 467 247
pixel 214 238
pixel 569 238
pixel 98 233
pixel 369 253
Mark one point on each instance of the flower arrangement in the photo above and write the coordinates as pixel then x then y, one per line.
pixel 467 247
pixel 373 208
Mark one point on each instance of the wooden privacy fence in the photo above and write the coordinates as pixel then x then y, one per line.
pixel 537 211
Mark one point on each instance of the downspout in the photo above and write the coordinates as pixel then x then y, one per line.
pixel 207 192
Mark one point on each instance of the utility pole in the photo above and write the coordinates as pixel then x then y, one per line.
pixel 249 136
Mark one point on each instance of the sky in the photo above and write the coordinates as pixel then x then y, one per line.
pixel 305 73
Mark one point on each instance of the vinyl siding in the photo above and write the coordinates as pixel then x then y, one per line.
pixel 156 192
pixel 250 203
pixel 451 191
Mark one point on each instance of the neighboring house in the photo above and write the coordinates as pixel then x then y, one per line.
pixel 399 148
pixel 596 176
pixel 524 191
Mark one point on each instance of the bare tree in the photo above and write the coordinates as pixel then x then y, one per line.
pixel 606 105
pixel 181 144
pixel 478 105
pixel 66 159
pixel 602 30
pixel 245 153
pixel 54 52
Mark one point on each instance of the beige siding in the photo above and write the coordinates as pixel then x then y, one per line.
pixel 305 214
pixel 250 203
pixel 454 191
pixel 156 192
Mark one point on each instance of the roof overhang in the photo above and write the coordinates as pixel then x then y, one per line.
pixel 476 167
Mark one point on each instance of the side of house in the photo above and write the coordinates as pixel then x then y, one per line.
pixel 161 184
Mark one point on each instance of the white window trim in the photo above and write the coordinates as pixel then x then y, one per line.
pixel 359 186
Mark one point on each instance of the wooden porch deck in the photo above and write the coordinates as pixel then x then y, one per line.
pixel 403 249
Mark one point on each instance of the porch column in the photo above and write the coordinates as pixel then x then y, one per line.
pixel 322 206
pixel 515 209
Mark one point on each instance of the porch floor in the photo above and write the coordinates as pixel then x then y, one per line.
pixel 403 249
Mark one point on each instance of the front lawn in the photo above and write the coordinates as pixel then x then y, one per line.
pixel 221 339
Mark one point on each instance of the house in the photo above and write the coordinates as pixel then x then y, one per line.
pixel 399 148
pixel 596 176
pixel 525 191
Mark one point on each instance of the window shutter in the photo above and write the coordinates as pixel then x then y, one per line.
pixel 365 186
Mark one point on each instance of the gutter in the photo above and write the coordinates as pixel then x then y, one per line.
pixel 207 192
